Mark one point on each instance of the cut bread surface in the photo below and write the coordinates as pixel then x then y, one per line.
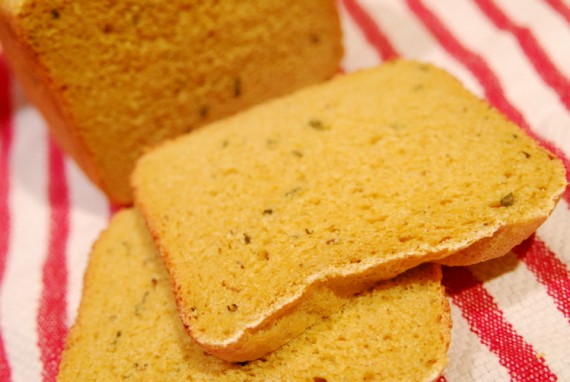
pixel 128 327
pixel 115 77
pixel 265 218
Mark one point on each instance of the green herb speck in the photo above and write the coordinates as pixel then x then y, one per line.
pixel 237 87
pixel 508 200
pixel 140 306
pixel 318 125
pixel 117 336
pixel 204 111
pixel 293 192
pixel 232 307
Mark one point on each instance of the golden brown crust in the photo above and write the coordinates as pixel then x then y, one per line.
pixel 505 239
pixel 446 335
pixel 44 93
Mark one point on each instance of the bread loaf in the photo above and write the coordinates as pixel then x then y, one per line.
pixel 115 77
pixel 267 218
pixel 128 328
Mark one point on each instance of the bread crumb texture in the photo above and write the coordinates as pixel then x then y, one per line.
pixel 362 177
pixel 128 328
pixel 115 77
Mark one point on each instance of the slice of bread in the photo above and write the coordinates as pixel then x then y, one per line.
pixel 128 327
pixel 114 77
pixel 263 219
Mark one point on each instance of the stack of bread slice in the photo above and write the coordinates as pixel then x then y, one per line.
pixel 128 327
pixel 279 227
pixel 298 240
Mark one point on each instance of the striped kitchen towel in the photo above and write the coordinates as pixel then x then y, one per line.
pixel 511 315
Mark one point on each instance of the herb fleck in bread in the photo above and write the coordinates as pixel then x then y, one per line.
pixel 128 328
pixel 114 77
pixel 265 218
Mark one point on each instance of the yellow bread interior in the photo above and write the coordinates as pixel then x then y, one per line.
pixel 267 218
pixel 128 327
pixel 115 77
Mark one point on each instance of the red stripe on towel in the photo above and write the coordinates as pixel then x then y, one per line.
pixel 486 320
pixel 561 8
pixel 481 71
pixel 5 220
pixel 52 316
pixel 536 55
pixel 371 30
pixel 549 271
